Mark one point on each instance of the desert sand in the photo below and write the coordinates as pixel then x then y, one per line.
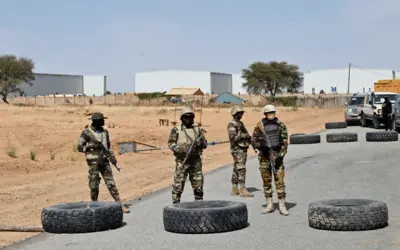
pixel 59 173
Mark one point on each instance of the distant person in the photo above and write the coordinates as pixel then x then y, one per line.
pixel 386 113
pixel 240 141
pixel 277 132
pixel 179 141
pixel 95 159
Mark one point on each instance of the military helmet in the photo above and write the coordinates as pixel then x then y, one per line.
pixel 97 116
pixel 236 110
pixel 269 108
pixel 186 110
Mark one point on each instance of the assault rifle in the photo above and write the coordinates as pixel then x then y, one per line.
pixel 269 148
pixel 195 142
pixel 104 151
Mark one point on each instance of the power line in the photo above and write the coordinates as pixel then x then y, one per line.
pixel 352 65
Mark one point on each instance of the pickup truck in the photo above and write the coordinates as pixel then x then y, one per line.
pixel 371 108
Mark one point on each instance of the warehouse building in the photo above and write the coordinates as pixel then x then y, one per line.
pixel 160 81
pixel 336 80
pixel 50 84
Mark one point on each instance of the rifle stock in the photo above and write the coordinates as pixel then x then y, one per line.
pixel 109 155
pixel 269 147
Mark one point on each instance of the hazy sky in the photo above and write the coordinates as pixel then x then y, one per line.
pixel 118 38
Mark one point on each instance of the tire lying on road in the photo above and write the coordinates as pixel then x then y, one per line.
pixel 348 215
pixel 304 139
pixel 333 125
pixel 202 217
pixel 342 137
pixel 382 136
pixel 82 217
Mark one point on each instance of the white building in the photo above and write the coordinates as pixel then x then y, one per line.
pixel 160 81
pixel 237 82
pixel 50 84
pixel 361 80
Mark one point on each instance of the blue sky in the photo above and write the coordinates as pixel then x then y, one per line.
pixel 119 38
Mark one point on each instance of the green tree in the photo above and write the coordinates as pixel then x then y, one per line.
pixel 272 77
pixel 13 73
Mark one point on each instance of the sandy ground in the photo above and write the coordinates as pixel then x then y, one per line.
pixel 29 185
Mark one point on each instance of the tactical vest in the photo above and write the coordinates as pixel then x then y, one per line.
pixel 271 128
pixel 186 137
pixel 93 154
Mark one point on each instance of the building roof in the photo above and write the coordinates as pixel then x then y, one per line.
pixel 227 93
pixel 185 91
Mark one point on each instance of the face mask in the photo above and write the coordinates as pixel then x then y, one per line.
pixel 239 116
pixel 270 116
pixel 188 120
pixel 98 123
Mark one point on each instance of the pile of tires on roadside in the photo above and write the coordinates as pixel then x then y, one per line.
pixel 375 136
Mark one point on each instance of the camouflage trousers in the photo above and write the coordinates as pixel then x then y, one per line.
pixel 94 180
pixel 195 172
pixel 266 175
pixel 239 165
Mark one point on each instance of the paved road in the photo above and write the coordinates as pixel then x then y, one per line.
pixel 319 171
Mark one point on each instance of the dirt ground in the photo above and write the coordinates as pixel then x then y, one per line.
pixel 29 185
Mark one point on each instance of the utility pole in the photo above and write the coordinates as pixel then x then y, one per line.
pixel 394 74
pixel 348 80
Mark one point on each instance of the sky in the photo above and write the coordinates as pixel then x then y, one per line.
pixel 121 37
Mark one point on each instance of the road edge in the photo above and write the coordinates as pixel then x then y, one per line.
pixel 20 243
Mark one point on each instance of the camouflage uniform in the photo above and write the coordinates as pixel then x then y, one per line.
pixel 240 141
pixel 96 165
pixel 278 135
pixel 179 142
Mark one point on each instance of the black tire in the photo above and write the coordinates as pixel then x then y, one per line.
pixel 304 139
pixel 382 136
pixel 334 125
pixel 342 137
pixel 348 215
pixel 82 217
pixel 375 122
pixel 203 217
pixel 363 121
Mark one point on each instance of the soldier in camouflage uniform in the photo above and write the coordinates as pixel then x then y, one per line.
pixel 278 135
pixel 240 141
pixel 179 142
pixel 93 154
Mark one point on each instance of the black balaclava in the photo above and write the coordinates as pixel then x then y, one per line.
pixel 98 123
pixel 238 116
pixel 188 120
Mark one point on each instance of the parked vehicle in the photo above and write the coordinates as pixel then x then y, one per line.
pixel 350 114
pixel 389 85
pixel 396 115
pixel 176 100
pixel 371 108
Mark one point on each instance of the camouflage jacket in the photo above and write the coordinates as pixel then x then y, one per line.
pixel 180 149
pixel 84 141
pixel 238 135
pixel 258 138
